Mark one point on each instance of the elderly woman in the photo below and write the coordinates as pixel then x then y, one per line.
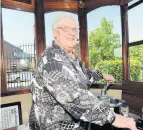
pixel 61 100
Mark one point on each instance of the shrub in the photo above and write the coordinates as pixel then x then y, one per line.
pixel 114 67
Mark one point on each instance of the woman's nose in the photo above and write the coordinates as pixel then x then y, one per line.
pixel 72 33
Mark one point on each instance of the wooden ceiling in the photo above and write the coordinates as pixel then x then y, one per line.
pixel 93 4
pixel 72 5
pixel 16 5
pixel 62 5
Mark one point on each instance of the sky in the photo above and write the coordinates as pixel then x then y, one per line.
pixel 18 26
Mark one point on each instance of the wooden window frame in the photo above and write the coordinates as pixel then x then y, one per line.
pixel 39 32
pixel 4 91
pixel 131 90
pixel 38 9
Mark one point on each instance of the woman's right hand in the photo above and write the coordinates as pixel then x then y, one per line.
pixel 124 122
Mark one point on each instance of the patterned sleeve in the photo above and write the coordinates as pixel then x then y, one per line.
pixel 79 102
pixel 93 75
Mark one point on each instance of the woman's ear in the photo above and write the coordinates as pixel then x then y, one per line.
pixel 55 33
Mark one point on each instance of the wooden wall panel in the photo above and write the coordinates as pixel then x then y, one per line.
pixel 132 92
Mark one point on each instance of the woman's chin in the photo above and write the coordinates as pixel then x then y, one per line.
pixel 71 44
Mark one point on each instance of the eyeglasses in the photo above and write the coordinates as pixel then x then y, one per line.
pixel 68 29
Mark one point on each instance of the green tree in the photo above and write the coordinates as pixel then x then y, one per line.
pixel 102 42
pixel 114 67
pixel 136 53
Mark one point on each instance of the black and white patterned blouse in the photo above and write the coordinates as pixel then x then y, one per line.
pixel 67 81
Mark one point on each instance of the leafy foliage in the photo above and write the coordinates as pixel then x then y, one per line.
pixel 114 68
pixel 136 53
pixel 102 42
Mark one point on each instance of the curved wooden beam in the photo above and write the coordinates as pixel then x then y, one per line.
pixel 62 5
pixel 94 4
pixel 50 6
pixel 10 4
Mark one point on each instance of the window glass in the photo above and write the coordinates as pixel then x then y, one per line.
pixel 19 49
pixel 135 24
pixel 104 31
pixel 136 63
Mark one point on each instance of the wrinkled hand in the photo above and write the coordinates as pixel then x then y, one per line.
pixel 109 78
pixel 124 122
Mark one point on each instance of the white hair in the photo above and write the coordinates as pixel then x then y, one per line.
pixel 59 19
